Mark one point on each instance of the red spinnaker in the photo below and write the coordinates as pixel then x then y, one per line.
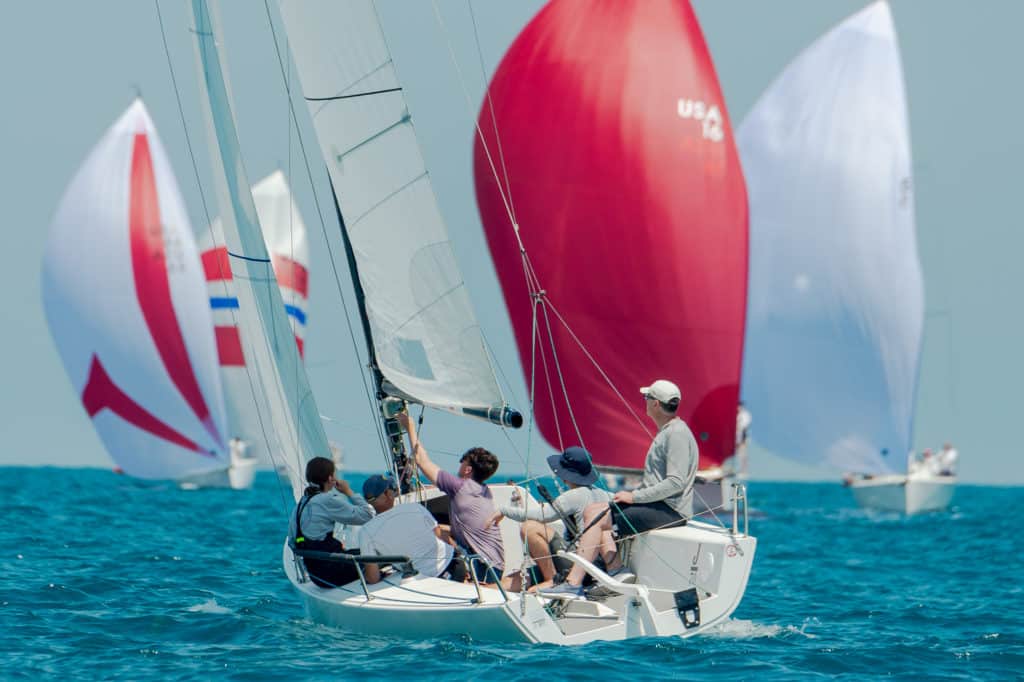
pixel 627 187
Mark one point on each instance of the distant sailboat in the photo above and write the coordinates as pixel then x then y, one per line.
pixel 124 298
pixel 287 243
pixel 836 294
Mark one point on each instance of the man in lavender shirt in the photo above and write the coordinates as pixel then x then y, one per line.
pixel 470 501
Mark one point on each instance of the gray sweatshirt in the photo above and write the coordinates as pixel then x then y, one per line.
pixel 571 503
pixel 670 468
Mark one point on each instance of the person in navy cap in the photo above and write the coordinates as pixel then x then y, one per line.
pixel 401 529
pixel 576 470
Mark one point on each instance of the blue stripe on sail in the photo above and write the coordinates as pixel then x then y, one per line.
pixel 223 302
pixel 296 313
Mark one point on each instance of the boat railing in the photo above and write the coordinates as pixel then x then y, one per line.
pixel 358 560
pixel 472 560
pixel 739 497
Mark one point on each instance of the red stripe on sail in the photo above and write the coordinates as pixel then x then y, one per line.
pixel 630 200
pixel 291 274
pixel 216 265
pixel 101 393
pixel 301 344
pixel 229 347
pixel 152 286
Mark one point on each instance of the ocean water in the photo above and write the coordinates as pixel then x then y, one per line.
pixel 103 577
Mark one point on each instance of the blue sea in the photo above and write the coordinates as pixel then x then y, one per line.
pixel 104 577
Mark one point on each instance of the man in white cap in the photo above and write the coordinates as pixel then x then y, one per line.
pixel 664 498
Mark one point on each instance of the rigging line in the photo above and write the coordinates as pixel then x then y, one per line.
pixel 561 377
pixel 490 107
pixel 235 320
pixel 547 380
pixel 330 252
pixel 601 371
pixel 358 94
pixel 480 133
pixel 209 223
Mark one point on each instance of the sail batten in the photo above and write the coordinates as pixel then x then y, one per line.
pixel 422 333
pixel 837 296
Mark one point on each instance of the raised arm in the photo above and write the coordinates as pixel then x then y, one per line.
pixel 423 461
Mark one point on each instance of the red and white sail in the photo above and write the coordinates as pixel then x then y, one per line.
pixel 288 247
pixel 125 301
pixel 617 162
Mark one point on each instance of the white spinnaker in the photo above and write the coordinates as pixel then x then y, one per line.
pixel 426 338
pixel 108 311
pixel 836 308
pixel 285 236
pixel 289 417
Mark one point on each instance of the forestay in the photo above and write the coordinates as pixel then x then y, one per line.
pixel 836 294
pixel 425 337
pixel 288 414
pixel 124 298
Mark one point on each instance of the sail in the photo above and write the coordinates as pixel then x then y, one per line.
pixel 124 299
pixel 285 235
pixel 626 186
pixel 425 337
pixel 289 419
pixel 836 294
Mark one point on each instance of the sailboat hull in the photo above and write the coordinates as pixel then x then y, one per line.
pixel 711 559
pixel 906 495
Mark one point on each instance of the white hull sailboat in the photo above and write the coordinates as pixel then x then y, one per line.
pixel 836 321
pixel 689 579
pixel 424 347
pixel 906 494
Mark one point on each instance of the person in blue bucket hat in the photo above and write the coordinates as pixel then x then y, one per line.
pixel 574 467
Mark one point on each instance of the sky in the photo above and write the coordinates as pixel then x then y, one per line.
pixel 70 69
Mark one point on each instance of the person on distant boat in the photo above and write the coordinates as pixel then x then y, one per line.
pixel 743 422
pixel 470 503
pixel 929 463
pixel 913 462
pixel 664 498
pixel 947 460
pixel 326 501
pixel 574 467
pixel 404 529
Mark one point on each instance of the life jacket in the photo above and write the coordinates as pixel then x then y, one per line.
pixel 327 544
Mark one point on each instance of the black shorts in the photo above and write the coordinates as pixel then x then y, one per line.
pixel 457 571
pixel 631 519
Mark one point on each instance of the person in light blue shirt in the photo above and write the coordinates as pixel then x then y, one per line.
pixel 327 501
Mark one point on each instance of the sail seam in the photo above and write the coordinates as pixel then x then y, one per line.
pixel 387 198
pixel 341 155
pixel 358 94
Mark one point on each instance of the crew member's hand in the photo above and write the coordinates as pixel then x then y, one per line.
pixel 403 420
pixel 624 497
pixel 344 488
pixel 494 520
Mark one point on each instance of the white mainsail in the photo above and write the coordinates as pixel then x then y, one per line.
pixel 426 339
pixel 287 244
pixel 836 307
pixel 289 418
pixel 124 298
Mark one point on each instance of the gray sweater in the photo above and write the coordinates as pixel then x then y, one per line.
pixel 670 468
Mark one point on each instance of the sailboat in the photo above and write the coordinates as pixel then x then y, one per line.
pixel 836 313
pixel 425 347
pixel 288 247
pixel 124 299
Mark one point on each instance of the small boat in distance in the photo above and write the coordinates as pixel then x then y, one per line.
pixel 836 313
pixel 126 306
